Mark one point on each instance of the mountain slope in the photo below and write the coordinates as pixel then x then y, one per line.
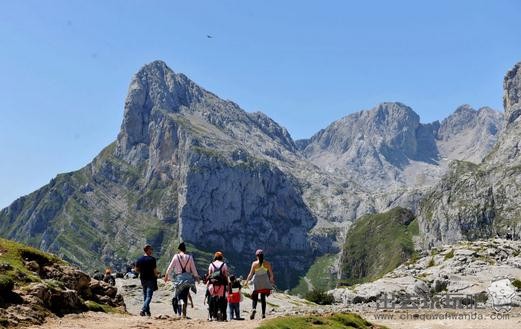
pixel 186 166
pixel 377 244
pixel 480 201
pixel 190 166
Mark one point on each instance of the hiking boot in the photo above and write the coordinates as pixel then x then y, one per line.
pixel 252 314
pixel 143 313
pixel 148 313
pixel 264 316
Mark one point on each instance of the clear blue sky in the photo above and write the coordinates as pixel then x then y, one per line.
pixel 66 65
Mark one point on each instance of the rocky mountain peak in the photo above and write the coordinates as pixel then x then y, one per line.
pixel 387 123
pixel 393 112
pixel 154 87
pixel 162 87
pixel 158 95
pixel 465 108
pixel 512 93
pixel 465 117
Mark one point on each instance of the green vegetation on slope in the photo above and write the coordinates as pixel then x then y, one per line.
pixel 376 244
pixel 12 271
pixel 342 320
pixel 318 275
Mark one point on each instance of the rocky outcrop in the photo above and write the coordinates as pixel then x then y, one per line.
pixel 40 285
pixel 512 94
pixel 479 201
pixel 457 271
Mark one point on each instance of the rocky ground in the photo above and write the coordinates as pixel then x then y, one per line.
pixel 466 268
pixel 278 303
pixel 162 314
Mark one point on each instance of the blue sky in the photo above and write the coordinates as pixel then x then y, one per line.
pixel 66 65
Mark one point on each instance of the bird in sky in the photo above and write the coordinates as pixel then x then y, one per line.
pixel 209 36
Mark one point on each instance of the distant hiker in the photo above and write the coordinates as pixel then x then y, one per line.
pixel 130 272
pixel 217 283
pixel 509 235
pixel 234 299
pixel 147 269
pixel 109 278
pixel 263 281
pixel 97 275
pixel 183 266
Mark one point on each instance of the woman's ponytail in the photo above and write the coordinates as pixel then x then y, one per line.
pixel 261 259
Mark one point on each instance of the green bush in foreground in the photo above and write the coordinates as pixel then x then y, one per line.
pixel 319 297
pixel 343 320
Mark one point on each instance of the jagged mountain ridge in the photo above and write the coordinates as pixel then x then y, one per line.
pixel 388 147
pixel 189 166
pixel 480 201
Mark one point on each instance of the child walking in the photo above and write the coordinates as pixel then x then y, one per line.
pixel 234 299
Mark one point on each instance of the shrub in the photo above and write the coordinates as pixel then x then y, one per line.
pixel 449 255
pixel 516 283
pixel 319 297
pixel 6 284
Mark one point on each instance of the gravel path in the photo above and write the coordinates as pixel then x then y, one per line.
pixel 279 304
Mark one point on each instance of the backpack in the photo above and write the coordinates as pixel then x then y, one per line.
pixel 217 277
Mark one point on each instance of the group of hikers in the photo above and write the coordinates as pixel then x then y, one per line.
pixel 223 290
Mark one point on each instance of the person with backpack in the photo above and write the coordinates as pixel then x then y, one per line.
pixel 234 299
pixel 263 280
pixel 183 266
pixel 217 283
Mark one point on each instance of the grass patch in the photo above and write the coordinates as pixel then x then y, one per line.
pixel 431 262
pixel 95 307
pixel 449 255
pixel 343 320
pixel 6 283
pixel 14 254
pixel 319 276
pixel 377 244
pixel 54 284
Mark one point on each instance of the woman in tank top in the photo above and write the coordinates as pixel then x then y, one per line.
pixel 263 280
